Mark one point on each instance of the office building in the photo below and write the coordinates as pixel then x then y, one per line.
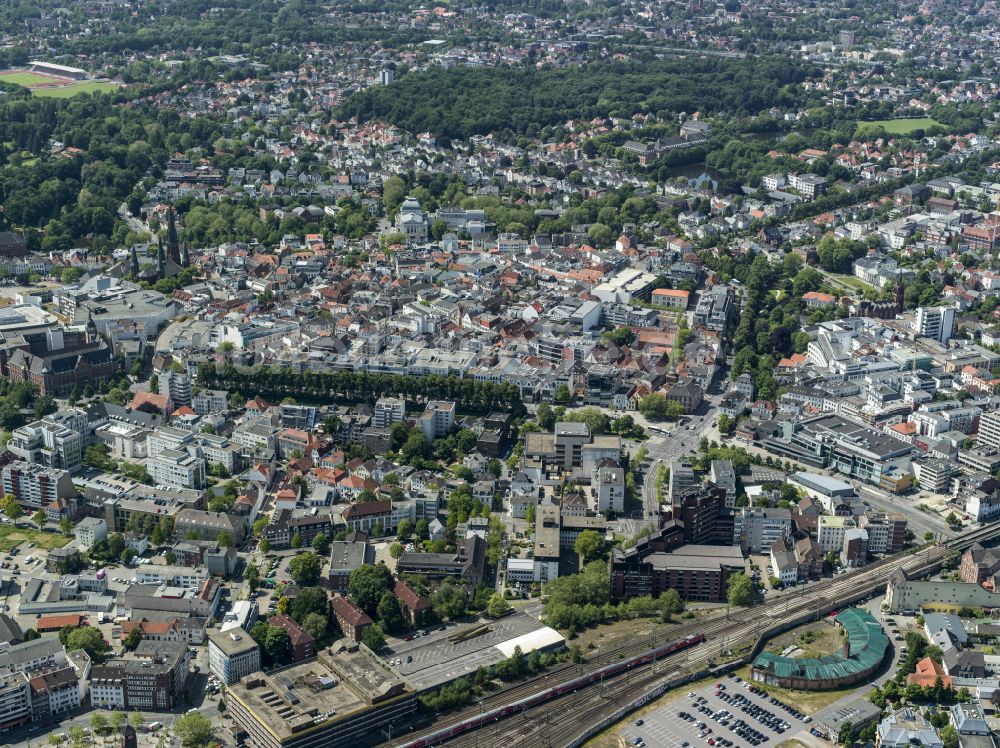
pixel 755 530
pixel 989 430
pixel 150 679
pixel 467 563
pixel 681 478
pixel 56 441
pixel 232 655
pixel 345 557
pixel 697 572
pixel 175 468
pixel 886 532
pixel 176 386
pixel 15 701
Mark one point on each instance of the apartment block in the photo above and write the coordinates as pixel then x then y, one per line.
pixel 36 486
pixel 387 411
pixel 437 420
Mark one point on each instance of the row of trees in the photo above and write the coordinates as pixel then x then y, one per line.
pixel 280 382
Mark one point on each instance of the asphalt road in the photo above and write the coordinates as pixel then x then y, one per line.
pixel 917 522
pixel 682 440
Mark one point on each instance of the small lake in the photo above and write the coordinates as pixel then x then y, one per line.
pixel 702 177
pixel 699 176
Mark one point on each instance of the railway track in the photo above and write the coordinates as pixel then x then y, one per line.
pixel 536 726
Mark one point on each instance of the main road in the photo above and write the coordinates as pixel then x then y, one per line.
pixel 682 439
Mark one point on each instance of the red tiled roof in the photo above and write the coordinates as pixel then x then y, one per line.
pixel 296 633
pixel 350 612
pixel 409 596
pixel 50 623
pixel 367 509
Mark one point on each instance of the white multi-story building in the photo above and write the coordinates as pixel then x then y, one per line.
pixel 936 322
pixel 206 402
pixel 56 441
pixel 168 437
pixel 15 700
pixel 608 492
pixel 173 576
pixel 35 486
pixel 830 532
pixel 256 436
pixel 177 469
pixel 989 430
pixel 107 693
pixel 176 385
pixel 89 530
pixel 125 440
pixel 388 410
pixel 218 450
pixel 437 420
pixel 232 655
pixel 755 530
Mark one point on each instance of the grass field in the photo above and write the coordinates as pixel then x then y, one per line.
pixel 64 92
pixel 902 126
pixel 25 79
pixel 816 639
pixel 11 536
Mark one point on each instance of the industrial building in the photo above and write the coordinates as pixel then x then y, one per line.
pixel 861 656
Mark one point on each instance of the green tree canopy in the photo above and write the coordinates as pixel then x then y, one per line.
pixel 367 585
pixel 305 569
pixel 740 590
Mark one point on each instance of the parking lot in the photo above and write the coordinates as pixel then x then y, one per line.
pixel 736 718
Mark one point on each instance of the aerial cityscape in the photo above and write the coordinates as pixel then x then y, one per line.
pixel 513 374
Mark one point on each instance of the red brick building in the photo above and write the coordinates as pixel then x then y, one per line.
pixel 303 647
pixel 415 606
pixel 352 620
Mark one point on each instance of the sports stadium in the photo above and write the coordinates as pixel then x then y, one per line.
pixel 50 79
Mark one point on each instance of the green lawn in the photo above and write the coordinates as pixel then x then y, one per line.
pixel 25 79
pixel 849 280
pixel 64 92
pixel 11 536
pixel 902 126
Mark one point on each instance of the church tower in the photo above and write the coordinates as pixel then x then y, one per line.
pixel 173 245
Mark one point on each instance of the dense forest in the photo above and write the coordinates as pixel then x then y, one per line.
pixel 77 193
pixel 458 103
